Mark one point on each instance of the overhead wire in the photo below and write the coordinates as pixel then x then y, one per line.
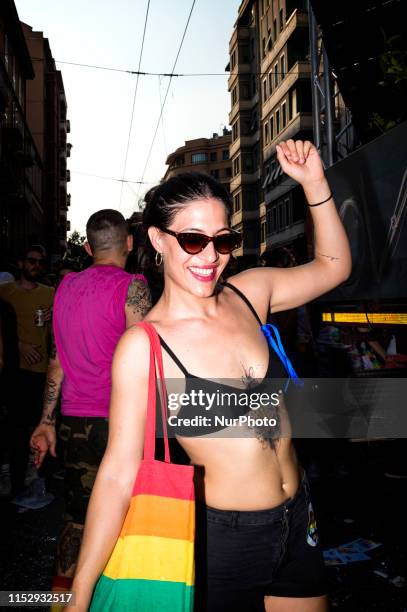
pixel 166 93
pixel 134 103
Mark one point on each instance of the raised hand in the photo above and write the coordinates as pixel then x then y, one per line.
pixel 301 161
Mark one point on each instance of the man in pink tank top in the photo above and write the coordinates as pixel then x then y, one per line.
pixel 92 309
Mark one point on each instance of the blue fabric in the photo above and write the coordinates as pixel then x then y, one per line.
pixel 277 346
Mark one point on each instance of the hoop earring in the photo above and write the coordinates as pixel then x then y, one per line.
pixel 158 259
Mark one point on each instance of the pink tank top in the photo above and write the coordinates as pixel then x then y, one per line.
pixel 88 320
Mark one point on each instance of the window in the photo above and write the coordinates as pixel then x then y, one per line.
pixel 281 20
pixel 244 54
pixel 270 83
pixel 275 75
pixel 245 91
pixel 237 202
pixel 264 90
pixel 263 232
pixel 236 166
pixel 247 162
pixel 179 161
pixel 228 172
pixel 254 85
pixel 225 154
pixel 215 173
pixel 213 156
pixel 245 127
pixel 277 122
pixel 233 60
pixel 266 133
pixel 284 114
pixel 264 47
pixel 252 54
pixel 281 216
pixel 235 130
pixel 199 158
pixel 268 222
pixel 282 67
pixel 234 95
pixel 274 219
pixel 271 127
pixel 290 105
pixel 275 29
pixel 288 212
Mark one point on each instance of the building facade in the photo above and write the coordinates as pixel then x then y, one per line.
pixel 271 100
pixel 47 118
pixel 33 148
pixel 209 155
pixel 21 168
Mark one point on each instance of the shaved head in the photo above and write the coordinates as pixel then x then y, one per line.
pixel 106 230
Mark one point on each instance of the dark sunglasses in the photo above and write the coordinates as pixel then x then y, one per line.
pixel 34 260
pixel 193 243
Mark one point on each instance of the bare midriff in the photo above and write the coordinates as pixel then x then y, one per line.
pixel 243 474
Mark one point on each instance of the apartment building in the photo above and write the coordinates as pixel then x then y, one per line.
pixel 271 101
pixel 46 114
pixel 21 168
pixel 209 155
pixel 33 141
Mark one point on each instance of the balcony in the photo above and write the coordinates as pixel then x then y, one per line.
pixel 239 70
pixel 68 200
pixel 239 33
pixel 297 19
pixel 299 123
pixel 243 105
pixel 244 179
pixel 300 70
pixel 286 235
pixel 244 141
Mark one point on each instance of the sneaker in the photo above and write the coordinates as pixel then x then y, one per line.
pixel 34 497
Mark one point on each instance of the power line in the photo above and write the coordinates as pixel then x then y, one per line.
pixel 166 93
pixel 134 102
pixel 112 178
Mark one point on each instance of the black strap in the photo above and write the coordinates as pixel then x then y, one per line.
pixel 174 357
pixel 244 298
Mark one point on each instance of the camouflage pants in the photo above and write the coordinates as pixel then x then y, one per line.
pixel 84 441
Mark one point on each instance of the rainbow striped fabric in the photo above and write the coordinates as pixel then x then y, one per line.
pixel 152 566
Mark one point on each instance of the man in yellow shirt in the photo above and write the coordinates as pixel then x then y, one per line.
pixel 25 383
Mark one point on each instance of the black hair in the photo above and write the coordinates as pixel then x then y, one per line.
pixel 38 248
pixel 106 229
pixel 166 199
pixel 68 264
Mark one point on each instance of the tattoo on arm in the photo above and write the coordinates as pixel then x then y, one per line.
pixel 51 395
pixel 330 257
pixel 138 298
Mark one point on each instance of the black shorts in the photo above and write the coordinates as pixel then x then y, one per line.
pixel 84 441
pixel 241 557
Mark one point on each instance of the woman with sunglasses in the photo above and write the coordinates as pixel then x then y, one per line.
pixel 257 546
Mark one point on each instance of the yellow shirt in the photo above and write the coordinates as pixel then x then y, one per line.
pixel 24 303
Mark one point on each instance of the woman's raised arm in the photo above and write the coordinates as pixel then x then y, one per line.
pixel 286 288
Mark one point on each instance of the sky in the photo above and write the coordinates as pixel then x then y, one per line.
pixel 109 34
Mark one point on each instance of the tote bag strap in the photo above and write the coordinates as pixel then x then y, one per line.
pixel 150 431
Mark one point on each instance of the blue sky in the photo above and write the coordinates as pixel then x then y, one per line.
pixel 109 34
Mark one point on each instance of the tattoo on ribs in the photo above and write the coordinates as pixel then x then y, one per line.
pixel 139 298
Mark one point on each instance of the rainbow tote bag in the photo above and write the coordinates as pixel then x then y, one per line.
pixel 151 567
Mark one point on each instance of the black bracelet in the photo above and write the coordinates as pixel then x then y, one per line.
pixel 323 201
